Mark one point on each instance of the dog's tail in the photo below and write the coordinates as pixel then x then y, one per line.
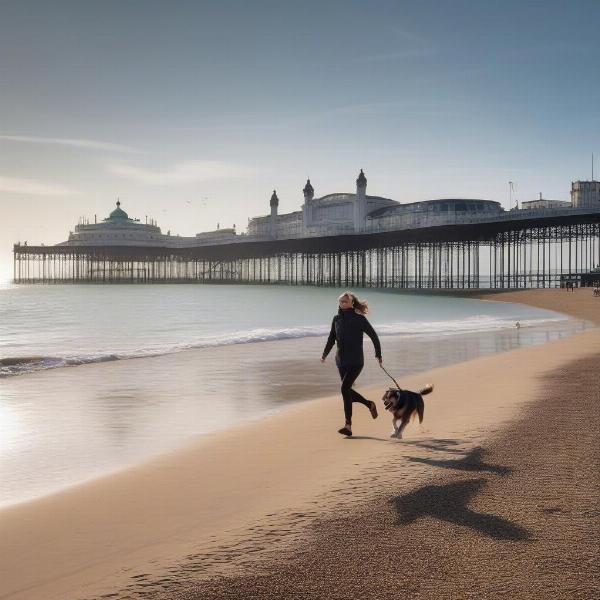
pixel 420 408
pixel 427 389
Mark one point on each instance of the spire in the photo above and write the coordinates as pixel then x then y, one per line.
pixel 362 180
pixel 273 218
pixel 307 208
pixel 308 189
pixel 360 202
pixel 274 199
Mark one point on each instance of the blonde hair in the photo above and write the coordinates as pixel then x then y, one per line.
pixel 360 306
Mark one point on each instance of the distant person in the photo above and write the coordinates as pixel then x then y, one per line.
pixel 347 330
pixel 518 325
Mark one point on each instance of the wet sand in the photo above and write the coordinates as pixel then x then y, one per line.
pixel 493 488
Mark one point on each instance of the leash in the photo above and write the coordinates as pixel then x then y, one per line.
pixel 384 370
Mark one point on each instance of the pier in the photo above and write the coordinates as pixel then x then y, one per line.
pixel 501 253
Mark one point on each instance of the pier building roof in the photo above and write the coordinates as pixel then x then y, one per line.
pixel 118 214
pixel 345 197
pixel 443 204
pixel 291 216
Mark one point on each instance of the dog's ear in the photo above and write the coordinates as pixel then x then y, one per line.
pixel 389 394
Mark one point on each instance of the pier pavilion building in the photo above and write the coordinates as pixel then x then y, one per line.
pixel 333 214
pixel 354 213
pixel 118 229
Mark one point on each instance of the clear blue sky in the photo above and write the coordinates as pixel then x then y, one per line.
pixel 193 112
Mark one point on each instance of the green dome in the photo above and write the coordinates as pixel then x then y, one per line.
pixel 118 213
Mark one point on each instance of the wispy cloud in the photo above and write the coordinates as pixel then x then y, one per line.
pixel 400 54
pixel 31 187
pixel 405 45
pixel 273 121
pixel 190 171
pixel 76 143
pixel 560 48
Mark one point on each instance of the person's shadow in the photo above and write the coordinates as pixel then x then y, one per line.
pixel 449 503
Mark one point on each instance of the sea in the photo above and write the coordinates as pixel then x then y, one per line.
pixel 95 379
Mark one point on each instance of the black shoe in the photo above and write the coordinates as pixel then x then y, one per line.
pixel 345 431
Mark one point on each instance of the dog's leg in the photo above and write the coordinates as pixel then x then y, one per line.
pixel 395 432
pixel 403 424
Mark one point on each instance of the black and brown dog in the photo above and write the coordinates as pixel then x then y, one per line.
pixel 403 404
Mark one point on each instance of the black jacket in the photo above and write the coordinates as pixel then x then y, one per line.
pixel 347 330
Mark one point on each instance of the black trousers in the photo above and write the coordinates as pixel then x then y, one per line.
pixel 348 376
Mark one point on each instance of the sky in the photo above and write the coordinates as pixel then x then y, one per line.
pixel 192 112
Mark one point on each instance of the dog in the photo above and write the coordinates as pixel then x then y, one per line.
pixel 404 404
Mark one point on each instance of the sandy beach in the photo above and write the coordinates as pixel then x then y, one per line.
pixel 494 496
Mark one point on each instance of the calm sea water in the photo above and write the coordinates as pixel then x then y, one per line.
pixel 96 378
pixel 54 326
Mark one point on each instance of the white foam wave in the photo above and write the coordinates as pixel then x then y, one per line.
pixel 478 323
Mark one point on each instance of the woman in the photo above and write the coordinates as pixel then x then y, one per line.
pixel 347 331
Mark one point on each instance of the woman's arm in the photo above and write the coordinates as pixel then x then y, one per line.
pixel 368 329
pixel 330 340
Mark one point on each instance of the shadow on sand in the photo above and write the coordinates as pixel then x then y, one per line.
pixel 367 437
pixel 473 461
pixel 449 503
pixel 439 444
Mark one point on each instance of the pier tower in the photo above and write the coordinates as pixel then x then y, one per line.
pixel 309 194
pixel 360 202
pixel 273 222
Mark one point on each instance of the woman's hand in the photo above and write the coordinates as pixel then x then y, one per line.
pixel 322 359
pixel 379 360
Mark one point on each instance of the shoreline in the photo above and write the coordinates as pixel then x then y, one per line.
pixel 555 299
pixel 134 530
pixel 117 415
pixel 33 358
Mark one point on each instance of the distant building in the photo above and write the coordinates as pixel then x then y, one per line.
pixel 544 203
pixel 585 194
pixel 221 235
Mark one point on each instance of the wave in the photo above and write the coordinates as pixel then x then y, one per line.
pixel 481 323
